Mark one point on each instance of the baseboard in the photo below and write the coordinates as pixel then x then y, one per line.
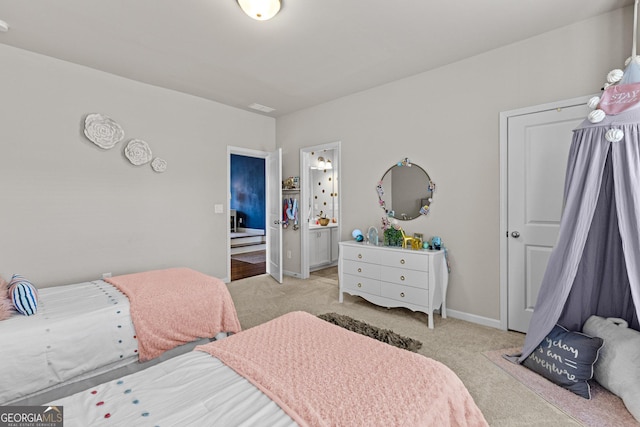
pixel 292 274
pixel 485 321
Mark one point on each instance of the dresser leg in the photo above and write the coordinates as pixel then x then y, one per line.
pixel 430 320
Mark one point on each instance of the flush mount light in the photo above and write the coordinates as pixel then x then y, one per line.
pixel 4 27
pixel 260 9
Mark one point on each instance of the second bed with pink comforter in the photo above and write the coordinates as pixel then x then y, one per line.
pixel 293 370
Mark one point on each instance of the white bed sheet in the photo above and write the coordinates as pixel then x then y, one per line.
pixel 79 330
pixel 194 389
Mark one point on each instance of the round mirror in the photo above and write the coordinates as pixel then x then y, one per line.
pixel 405 191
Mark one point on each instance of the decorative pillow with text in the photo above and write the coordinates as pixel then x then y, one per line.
pixel 566 358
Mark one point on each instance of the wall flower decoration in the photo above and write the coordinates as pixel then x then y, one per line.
pixel 159 165
pixel 102 131
pixel 138 152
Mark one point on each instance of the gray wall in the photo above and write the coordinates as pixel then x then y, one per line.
pixel 447 121
pixel 72 211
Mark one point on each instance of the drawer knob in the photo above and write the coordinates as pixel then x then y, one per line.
pixel 359 285
pixel 401 261
pixel 402 294
pixel 360 256
pixel 359 270
pixel 401 277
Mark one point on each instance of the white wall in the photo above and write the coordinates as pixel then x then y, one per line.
pixel 72 211
pixel 447 121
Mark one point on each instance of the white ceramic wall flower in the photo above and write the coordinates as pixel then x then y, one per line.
pixel 102 131
pixel 159 165
pixel 138 152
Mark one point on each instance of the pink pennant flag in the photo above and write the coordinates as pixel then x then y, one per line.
pixel 619 98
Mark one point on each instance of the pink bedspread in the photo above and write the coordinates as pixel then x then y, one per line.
pixel 323 375
pixel 176 306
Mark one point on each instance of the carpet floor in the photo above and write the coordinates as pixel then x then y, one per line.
pixel 460 345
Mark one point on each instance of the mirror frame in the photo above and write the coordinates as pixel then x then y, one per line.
pixel 425 202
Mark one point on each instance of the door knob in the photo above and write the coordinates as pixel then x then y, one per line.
pixel 515 234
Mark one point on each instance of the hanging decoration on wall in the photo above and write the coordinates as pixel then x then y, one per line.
pixel 159 165
pixel 106 133
pixel 102 131
pixel 138 152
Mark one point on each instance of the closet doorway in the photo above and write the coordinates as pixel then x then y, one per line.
pixel 254 243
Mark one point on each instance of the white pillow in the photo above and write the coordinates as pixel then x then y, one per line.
pixel 618 367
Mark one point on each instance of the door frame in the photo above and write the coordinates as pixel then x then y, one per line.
pixel 305 154
pixel 504 142
pixel 248 152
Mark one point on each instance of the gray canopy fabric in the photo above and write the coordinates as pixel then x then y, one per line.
pixel 595 266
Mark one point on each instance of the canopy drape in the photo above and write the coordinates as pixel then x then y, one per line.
pixel 595 266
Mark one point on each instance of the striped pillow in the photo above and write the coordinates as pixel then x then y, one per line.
pixel 23 295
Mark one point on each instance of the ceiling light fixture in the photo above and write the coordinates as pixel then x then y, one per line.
pixel 4 27
pixel 324 163
pixel 260 9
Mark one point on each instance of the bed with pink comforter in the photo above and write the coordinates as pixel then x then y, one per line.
pixel 86 333
pixel 293 370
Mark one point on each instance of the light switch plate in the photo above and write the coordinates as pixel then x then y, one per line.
pixel 218 208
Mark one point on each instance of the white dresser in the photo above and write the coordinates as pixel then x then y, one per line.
pixel 394 277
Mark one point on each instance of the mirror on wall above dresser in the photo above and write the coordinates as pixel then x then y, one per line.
pixel 405 191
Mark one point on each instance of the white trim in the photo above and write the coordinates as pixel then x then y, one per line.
pixel 292 274
pixel 504 135
pixel 472 318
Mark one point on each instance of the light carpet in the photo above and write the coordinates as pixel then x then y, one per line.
pixel 605 409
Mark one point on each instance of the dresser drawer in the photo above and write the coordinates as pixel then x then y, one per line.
pixel 362 253
pixel 406 259
pixel 361 284
pixel 361 269
pixel 405 294
pixel 403 276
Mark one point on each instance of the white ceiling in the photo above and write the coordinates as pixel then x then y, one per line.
pixel 311 52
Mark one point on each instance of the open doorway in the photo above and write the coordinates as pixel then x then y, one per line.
pixel 320 206
pixel 247 216
pixel 254 245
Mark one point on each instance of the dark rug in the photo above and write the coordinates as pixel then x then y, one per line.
pixel 257 257
pixel 384 335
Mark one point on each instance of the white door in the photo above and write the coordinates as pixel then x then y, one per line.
pixel 274 214
pixel 537 150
